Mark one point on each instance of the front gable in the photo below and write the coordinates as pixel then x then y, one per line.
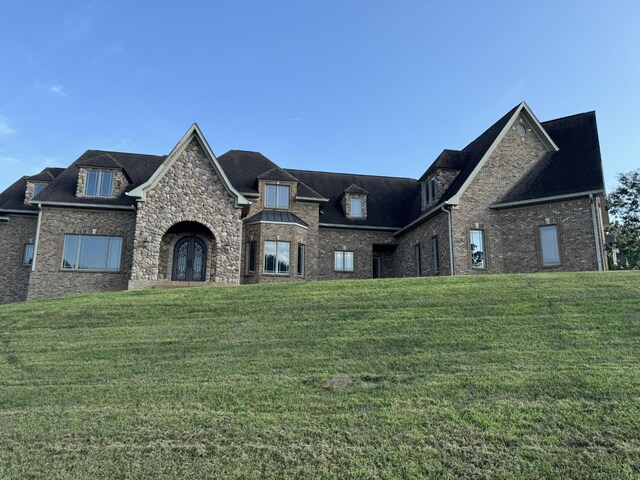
pixel 192 138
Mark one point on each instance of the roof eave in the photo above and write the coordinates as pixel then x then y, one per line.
pixel 551 199
pixel 101 206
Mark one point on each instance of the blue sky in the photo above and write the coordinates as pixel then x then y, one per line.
pixel 378 87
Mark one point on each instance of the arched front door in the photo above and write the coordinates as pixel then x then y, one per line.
pixel 189 260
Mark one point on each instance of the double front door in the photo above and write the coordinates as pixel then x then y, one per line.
pixel 189 260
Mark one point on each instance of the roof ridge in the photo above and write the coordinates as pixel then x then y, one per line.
pixel 124 153
pixel 569 116
pixel 352 174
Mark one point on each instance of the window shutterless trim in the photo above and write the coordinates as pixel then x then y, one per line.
pixel 277 188
pixel 100 173
pixel 264 259
pixel 418 259
pixel 435 252
pixel 343 252
pixel 24 254
pixel 485 257
pixel 78 252
pixel 301 260
pixel 251 258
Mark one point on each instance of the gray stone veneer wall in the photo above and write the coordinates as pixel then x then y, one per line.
pixel 190 191
pixel 49 280
pixel 14 280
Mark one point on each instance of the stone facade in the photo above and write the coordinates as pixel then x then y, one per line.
pixel 14 234
pixel 189 191
pixel 346 205
pixel 50 280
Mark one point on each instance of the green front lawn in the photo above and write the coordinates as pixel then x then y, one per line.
pixel 527 376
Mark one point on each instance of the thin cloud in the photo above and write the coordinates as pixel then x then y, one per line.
pixel 6 161
pixel 5 129
pixel 58 90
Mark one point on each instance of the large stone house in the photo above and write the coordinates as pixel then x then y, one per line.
pixel 524 196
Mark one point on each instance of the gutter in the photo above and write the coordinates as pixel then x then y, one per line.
pixel 20 212
pixel 596 235
pixel 554 198
pixel 4 219
pixel 37 242
pixel 422 218
pixel 448 212
pixel 85 205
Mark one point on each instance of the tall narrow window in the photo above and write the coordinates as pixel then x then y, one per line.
pixel 38 187
pixel 27 255
pixel 276 257
pixel 343 261
pixel 418 254
pixel 549 245
pixel 277 196
pixel 435 252
pixel 251 257
pixel 98 183
pixel 92 252
pixel 478 252
pixel 356 207
pixel 301 259
pixel 432 189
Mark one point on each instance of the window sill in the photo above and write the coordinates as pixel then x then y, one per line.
pixel 70 270
pixel 276 274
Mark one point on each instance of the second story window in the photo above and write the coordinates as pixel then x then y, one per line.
pixel 98 183
pixel 356 207
pixel 38 187
pixel 277 196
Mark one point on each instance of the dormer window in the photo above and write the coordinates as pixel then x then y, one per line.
pixel 428 190
pixel 38 187
pixel 356 207
pixel 277 196
pixel 98 183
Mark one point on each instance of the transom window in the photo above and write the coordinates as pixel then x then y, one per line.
pixel 91 252
pixel 478 252
pixel 38 187
pixel 549 245
pixel 343 261
pixel 276 257
pixel 27 255
pixel 356 207
pixel 277 196
pixel 98 183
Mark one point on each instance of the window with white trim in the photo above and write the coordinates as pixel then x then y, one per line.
pixel 477 247
pixel 276 196
pixel 98 183
pixel 276 257
pixel 549 245
pixel 27 254
pixel 92 252
pixel 343 261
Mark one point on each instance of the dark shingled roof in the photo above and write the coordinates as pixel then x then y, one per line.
pixel 356 189
pixel 576 167
pixel 452 159
pixel 104 160
pixel 276 216
pixel 391 201
pixel 243 169
pixel 138 168
pixel 13 197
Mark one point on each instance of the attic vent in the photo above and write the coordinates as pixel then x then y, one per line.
pixel 521 129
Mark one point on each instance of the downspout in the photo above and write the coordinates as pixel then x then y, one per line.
pixel 35 247
pixel 451 265
pixel 596 234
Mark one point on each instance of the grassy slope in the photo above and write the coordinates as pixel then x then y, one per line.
pixel 492 377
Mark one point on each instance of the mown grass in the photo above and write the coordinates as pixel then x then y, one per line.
pixel 531 376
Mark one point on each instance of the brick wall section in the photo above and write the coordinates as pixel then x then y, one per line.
pixel 404 258
pixel 358 241
pixel 119 182
pixel 444 178
pixel 512 159
pixel 49 280
pixel 190 191
pixel 14 281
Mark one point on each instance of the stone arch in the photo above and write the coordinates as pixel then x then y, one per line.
pixel 178 230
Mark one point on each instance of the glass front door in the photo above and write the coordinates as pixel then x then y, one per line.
pixel 189 260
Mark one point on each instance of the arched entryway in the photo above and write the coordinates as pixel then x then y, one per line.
pixel 189 260
pixel 187 253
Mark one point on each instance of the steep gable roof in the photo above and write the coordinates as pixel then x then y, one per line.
pixel 193 132
pixel 13 197
pixel 575 168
